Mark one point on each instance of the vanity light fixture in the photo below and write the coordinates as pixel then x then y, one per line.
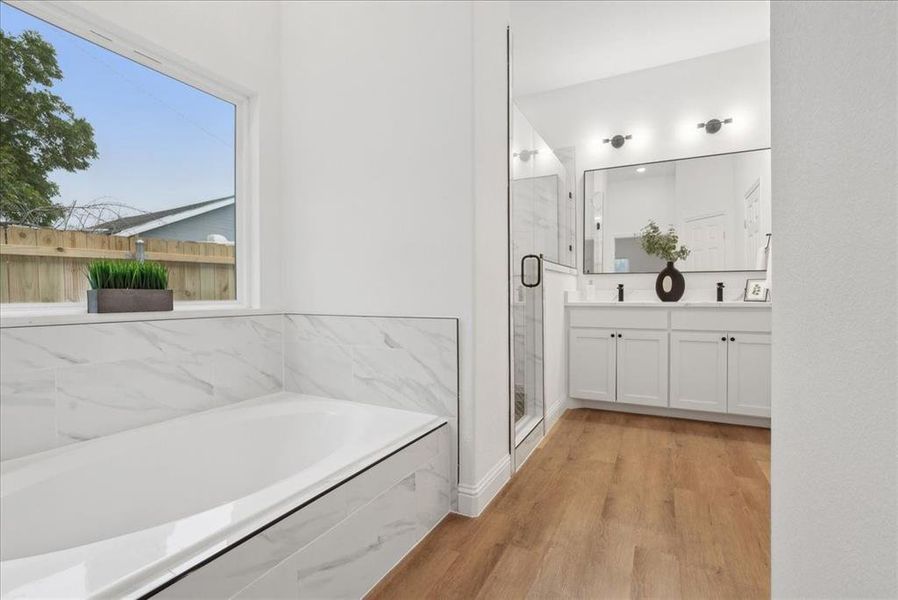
pixel 617 141
pixel 525 155
pixel 714 125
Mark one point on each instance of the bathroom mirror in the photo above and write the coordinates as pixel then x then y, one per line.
pixel 719 205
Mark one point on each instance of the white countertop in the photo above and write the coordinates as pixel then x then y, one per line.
pixel 659 304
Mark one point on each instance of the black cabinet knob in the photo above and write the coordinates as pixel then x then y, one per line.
pixel 620 335
pixel 612 335
pixel 723 339
pixel 732 339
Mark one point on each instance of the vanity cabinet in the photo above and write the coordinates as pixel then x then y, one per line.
pixel 713 360
pixel 720 372
pixel 748 374
pixel 698 370
pixel 592 365
pixel 642 367
pixel 618 365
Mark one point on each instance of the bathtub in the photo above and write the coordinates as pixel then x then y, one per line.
pixel 122 515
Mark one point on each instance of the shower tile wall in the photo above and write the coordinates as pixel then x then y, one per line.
pixel 536 219
pixel 400 362
pixel 67 383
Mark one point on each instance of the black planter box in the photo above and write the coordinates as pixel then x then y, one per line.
pixel 114 301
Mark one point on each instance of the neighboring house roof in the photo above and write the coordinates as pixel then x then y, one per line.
pixel 127 226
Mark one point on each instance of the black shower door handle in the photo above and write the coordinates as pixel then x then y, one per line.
pixel 539 270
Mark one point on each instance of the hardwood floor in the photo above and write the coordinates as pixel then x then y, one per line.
pixel 611 505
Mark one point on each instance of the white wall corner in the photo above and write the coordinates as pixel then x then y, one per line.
pixel 473 499
pixel 554 412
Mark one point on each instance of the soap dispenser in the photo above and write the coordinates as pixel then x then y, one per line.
pixel 620 292
pixel 720 291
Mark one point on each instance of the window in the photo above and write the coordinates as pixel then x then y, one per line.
pixel 100 155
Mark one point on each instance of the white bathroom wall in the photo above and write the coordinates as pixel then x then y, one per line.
pixel 834 502
pixel 378 139
pixel 489 433
pixel 660 108
pixel 555 342
pixel 380 135
pixel 237 43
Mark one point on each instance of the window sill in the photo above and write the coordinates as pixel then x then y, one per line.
pixel 36 315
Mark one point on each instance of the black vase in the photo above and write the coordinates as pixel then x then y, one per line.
pixel 676 285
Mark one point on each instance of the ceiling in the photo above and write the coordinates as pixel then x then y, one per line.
pixel 562 43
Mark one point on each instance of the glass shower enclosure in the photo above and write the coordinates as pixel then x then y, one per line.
pixel 541 227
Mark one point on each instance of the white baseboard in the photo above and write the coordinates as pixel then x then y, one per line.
pixel 676 413
pixel 473 499
pixel 554 413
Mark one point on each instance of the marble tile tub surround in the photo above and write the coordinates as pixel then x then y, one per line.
pixel 66 383
pixel 341 544
pixel 401 362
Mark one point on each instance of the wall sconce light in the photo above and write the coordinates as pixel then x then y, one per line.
pixel 714 125
pixel 525 155
pixel 617 141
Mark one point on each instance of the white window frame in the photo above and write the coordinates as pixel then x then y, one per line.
pixel 86 25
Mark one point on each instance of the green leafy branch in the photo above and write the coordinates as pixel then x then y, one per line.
pixel 662 245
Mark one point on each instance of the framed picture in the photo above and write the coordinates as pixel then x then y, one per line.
pixel 755 290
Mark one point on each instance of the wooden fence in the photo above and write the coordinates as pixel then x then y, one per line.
pixel 48 265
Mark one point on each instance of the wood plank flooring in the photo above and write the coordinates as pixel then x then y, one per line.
pixel 611 505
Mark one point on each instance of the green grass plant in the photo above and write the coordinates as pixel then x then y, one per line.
pixel 127 275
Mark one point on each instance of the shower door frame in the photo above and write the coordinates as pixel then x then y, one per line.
pixel 532 438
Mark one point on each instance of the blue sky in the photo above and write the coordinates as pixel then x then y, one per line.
pixel 161 143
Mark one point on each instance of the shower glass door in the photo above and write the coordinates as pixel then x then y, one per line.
pixel 527 308
pixel 528 347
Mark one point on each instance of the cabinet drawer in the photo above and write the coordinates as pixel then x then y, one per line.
pixel 619 318
pixel 721 319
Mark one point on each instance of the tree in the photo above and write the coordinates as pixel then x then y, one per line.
pixel 39 132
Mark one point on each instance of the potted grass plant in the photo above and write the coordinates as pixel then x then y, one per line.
pixel 127 286
pixel 670 283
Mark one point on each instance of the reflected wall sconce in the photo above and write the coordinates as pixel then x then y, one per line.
pixel 525 155
pixel 617 141
pixel 714 125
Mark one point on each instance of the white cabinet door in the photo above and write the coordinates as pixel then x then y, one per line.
pixel 642 367
pixel 748 387
pixel 591 363
pixel 698 371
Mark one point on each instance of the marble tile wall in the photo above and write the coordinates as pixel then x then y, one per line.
pixel 340 545
pixel 61 384
pixel 400 362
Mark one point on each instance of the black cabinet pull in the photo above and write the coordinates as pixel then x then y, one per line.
pixel 723 339
pixel 732 339
pixel 620 335
pixel 612 335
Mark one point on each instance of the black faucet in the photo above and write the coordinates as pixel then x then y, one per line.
pixel 620 292
pixel 720 291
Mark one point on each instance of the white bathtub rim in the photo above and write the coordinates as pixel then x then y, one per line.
pixel 147 574
pixel 83 445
